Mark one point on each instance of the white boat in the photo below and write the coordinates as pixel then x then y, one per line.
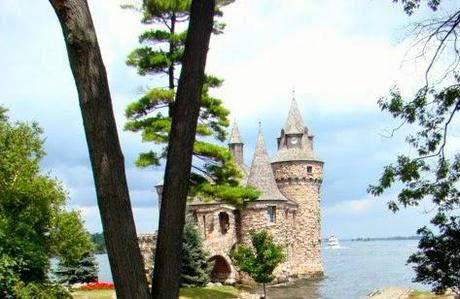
pixel 333 242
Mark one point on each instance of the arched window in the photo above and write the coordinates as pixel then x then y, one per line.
pixel 224 222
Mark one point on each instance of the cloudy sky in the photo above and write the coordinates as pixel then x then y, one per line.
pixel 340 56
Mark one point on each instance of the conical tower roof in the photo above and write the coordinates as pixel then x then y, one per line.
pixel 294 122
pixel 301 151
pixel 261 173
pixel 235 136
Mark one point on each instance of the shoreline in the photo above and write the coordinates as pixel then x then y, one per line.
pixel 405 293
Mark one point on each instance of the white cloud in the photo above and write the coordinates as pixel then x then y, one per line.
pixel 332 71
pixel 353 207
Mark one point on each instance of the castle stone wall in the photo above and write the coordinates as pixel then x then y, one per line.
pixel 146 244
pixel 303 187
pixel 219 237
pixel 255 217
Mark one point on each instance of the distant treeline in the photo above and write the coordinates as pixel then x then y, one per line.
pixel 99 243
pixel 388 238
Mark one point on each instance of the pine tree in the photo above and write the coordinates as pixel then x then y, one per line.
pixel 195 266
pixel 81 271
pixel 214 175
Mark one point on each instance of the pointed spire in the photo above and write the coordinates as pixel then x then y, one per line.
pixel 294 122
pixel 261 173
pixel 235 136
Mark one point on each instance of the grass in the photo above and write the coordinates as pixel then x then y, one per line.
pixel 221 292
pixel 93 294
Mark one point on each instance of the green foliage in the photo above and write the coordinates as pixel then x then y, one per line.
pixel 431 173
pixel 195 268
pixel 74 248
pixel 411 5
pixel 438 260
pixel 9 275
pixel 31 213
pixel 99 242
pixel 41 291
pixel 76 255
pixel 81 270
pixel 260 261
pixel 160 53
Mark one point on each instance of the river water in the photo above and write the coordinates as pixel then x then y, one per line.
pixel 352 271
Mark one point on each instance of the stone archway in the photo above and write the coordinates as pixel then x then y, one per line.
pixel 221 269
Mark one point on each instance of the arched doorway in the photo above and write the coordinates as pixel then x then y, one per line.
pixel 221 269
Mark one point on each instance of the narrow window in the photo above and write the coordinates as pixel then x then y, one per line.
pixel 224 222
pixel 271 213
pixel 309 169
pixel 204 226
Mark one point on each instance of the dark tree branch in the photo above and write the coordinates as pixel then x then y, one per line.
pixel 104 148
pixel 166 276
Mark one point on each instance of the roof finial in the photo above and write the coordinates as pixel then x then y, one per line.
pixel 293 93
pixel 260 124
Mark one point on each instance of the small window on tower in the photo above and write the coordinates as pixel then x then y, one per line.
pixel 271 213
pixel 309 169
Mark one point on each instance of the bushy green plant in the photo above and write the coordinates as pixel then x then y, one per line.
pixel 437 262
pixel 77 263
pixel 260 260
pixel 42 291
pixel 32 214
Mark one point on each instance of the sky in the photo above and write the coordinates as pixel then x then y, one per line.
pixel 339 56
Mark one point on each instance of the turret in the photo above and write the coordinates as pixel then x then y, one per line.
pixel 299 174
pixel 261 175
pixel 235 145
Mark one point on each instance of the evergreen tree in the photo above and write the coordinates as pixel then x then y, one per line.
pixel 260 261
pixel 79 271
pixel 77 262
pixel 195 268
pixel 215 174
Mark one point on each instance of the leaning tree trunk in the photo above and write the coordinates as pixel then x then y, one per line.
pixel 104 148
pixel 166 276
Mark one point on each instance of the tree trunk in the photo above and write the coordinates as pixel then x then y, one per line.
pixel 104 148
pixel 166 278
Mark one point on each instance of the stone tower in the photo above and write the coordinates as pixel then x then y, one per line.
pixel 299 174
pixel 235 145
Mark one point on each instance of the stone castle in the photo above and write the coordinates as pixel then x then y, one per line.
pixel 288 206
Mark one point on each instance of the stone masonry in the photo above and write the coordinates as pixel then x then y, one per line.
pixel 288 207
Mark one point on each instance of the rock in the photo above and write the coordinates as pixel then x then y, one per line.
pixel 230 281
pixel 390 293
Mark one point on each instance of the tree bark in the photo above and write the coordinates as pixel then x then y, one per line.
pixel 104 148
pixel 166 278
